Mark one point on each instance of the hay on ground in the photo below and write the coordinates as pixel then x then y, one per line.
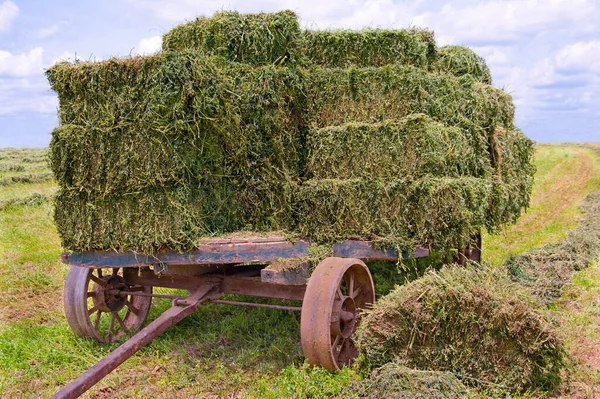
pixel 472 322
pixel 399 382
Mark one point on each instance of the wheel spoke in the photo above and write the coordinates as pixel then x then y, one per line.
pixel 336 341
pixel 99 272
pixel 340 293
pixel 97 321
pixel 97 280
pixel 93 309
pixel 115 271
pixel 111 326
pixel 351 285
pixel 133 309
pixel 356 292
pixel 121 323
pixel 91 294
pixel 136 288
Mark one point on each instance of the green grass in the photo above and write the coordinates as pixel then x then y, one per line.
pixel 224 351
pixel 565 175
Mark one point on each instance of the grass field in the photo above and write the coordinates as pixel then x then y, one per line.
pixel 235 352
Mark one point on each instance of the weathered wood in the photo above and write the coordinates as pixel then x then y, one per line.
pixel 365 250
pixel 232 251
pixel 294 274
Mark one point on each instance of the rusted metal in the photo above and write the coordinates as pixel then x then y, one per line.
pixel 258 305
pixel 229 285
pixel 338 290
pixel 95 306
pixel 180 309
pixel 365 250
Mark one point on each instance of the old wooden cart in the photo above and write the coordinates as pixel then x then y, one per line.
pixel 108 294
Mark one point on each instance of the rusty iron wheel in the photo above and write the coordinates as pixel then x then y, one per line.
pixel 95 308
pixel 337 291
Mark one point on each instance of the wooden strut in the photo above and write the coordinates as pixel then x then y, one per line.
pixel 180 309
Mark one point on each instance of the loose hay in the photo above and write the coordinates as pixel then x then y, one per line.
pixel 399 382
pixel 545 271
pixel 474 323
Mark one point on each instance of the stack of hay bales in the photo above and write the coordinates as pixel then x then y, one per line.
pixel 246 122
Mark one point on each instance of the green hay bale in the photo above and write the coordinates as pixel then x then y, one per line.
pixel 264 38
pixel 513 160
pixel 337 96
pixel 169 123
pixel 172 117
pixel 399 382
pixel 460 61
pixel 369 47
pixel 474 323
pixel 546 270
pixel 410 148
pixel 432 212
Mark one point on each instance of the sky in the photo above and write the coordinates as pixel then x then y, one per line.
pixel 546 54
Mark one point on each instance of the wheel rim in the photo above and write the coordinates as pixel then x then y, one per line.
pixel 95 307
pixel 337 291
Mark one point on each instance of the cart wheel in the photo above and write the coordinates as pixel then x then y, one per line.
pixel 337 291
pixel 95 308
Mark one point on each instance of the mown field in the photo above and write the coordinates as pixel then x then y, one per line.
pixel 230 352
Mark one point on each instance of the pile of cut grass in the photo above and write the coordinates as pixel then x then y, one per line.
pixel 399 382
pixel 475 323
pixel 546 270
pixel 239 124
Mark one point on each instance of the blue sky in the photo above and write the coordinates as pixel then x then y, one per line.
pixel 545 53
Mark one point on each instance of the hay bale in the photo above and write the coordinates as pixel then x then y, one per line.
pixel 170 122
pixel 399 382
pixel 410 148
pixel 472 322
pixel 336 96
pixel 437 212
pixel 369 47
pixel 460 61
pixel 260 39
pixel 223 140
pixel 513 161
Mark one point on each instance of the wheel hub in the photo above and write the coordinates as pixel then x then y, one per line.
pixel 343 317
pixel 108 298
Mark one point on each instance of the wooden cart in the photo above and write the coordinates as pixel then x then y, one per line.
pixel 108 295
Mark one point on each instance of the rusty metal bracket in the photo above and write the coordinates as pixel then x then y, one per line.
pixel 180 309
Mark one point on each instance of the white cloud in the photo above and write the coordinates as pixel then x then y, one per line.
pixel 580 57
pixel 8 12
pixel 51 30
pixel 22 64
pixel 26 95
pixel 504 21
pixel 149 45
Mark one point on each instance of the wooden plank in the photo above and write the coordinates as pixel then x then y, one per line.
pixel 295 274
pixel 213 253
pixel 365 250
